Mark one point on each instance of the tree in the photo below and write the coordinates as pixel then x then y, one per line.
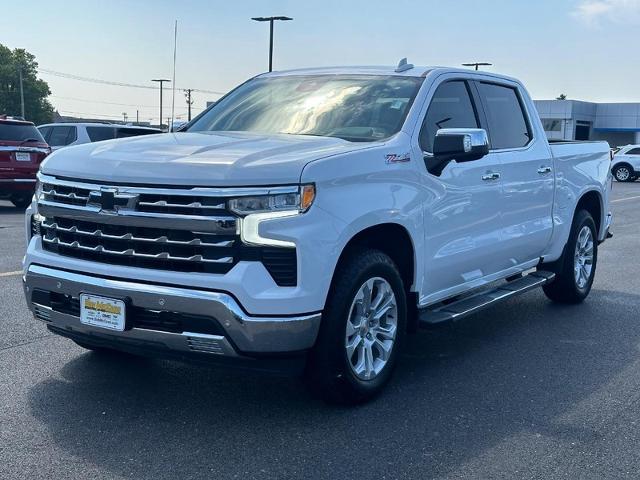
pixel 562 96
pixel 36 106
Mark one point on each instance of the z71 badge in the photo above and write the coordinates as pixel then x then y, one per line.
pixel 398 158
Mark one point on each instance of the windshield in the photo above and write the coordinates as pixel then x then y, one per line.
pixel 353 107
pixel 19 132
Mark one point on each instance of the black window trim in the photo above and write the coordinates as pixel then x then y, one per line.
pixel 634 149
pixel 472 98
pixel 523 108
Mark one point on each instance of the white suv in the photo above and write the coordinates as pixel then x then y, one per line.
pixel 626 164
pixel 60 135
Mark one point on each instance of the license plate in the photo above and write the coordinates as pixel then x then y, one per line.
pixel 102 312
pixel 23 156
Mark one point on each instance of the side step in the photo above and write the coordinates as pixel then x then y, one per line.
pixel 483 299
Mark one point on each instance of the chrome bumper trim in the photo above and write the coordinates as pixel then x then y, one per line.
pixel 250 334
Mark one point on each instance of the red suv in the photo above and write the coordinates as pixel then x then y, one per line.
pixel 22 148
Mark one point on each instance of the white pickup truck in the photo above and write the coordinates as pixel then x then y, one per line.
pixel 311 218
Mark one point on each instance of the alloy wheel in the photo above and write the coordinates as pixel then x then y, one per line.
pixel 371 328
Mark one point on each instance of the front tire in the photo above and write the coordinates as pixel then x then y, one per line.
pixel 362 331
pixel 577 268
pixel 623 173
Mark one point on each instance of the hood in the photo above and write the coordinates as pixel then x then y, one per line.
pixel 196 159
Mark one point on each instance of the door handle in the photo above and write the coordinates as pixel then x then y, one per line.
pixel 544 170
pixel 490 176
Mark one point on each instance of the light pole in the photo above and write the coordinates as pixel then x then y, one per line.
pixel 161 82
pixel 477 64
pixel 270 20
pixel 21 93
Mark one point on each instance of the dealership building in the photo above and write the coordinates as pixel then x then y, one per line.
pixel 617 123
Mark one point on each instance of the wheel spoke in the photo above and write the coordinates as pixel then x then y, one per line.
pixel 387 332
pixel 384 348
pixel 351 347
pixel 351 329
pixel 384 308
pixel 368 362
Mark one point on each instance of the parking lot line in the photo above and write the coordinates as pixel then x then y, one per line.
pixel 625 199
pixel 11 274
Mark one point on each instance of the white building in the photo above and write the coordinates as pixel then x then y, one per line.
pixel 617 123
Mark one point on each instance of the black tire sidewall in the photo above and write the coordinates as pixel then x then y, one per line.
pixel 583 218
pixel 330 360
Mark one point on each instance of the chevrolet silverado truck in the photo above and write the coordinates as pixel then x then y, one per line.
pixel 312 218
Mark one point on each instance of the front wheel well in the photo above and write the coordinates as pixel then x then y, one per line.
pixel 392 239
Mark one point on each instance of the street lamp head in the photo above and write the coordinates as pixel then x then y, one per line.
pixel 160 80
pixel 269 19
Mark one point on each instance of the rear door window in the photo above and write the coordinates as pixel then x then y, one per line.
pixel 634 151
pixel 506 119
pixel 450 107
pixel 98 134
pixel 62 135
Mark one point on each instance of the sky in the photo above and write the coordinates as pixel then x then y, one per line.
pixel 585 49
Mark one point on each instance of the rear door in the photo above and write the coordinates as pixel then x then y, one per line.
pixel 526 169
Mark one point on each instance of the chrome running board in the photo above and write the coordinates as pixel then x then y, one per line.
pixel 455 310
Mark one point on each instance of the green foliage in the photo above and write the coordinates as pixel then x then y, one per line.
pixel 36 106
pixel 562 96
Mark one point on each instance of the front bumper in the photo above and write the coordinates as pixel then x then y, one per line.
pixel 240 336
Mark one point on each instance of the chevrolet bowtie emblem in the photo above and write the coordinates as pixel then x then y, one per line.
pixel 110 200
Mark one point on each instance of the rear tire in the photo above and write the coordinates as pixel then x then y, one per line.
pixel 21 202
pixel 623 173
pixel 577 268
pixel 363 328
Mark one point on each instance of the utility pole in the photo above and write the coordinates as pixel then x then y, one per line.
pixel 477 64
pixel 270 20
pixel 137 116
pixel 161 81
pixel 21 92
pixel 124 117
pixel 187 94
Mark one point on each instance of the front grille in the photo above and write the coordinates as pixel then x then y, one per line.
pixel 139 246
pixel 136 317
pixel 174 229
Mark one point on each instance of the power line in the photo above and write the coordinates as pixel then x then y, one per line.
pixel 100 115
pixel 107 103
pixel 71 76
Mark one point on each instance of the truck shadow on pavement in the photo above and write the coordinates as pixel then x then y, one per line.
pixel 462 398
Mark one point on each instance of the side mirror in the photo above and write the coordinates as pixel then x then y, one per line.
pixel 459 144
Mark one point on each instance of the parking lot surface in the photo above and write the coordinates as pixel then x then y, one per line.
pixel 527 389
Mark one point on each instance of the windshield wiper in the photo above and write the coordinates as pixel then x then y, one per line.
pixel 28 140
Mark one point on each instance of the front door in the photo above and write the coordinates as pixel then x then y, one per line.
pixel 462 214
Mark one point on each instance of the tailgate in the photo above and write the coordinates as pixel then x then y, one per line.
pixel 20 162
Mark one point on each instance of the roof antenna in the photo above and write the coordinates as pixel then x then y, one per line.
pixel 403 66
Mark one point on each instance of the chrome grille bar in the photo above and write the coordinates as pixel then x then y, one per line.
pixel 136 238
pixel 130 252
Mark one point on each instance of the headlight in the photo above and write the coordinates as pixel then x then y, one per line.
pixel 299 201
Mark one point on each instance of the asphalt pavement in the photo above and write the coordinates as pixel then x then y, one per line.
pixel 527 389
